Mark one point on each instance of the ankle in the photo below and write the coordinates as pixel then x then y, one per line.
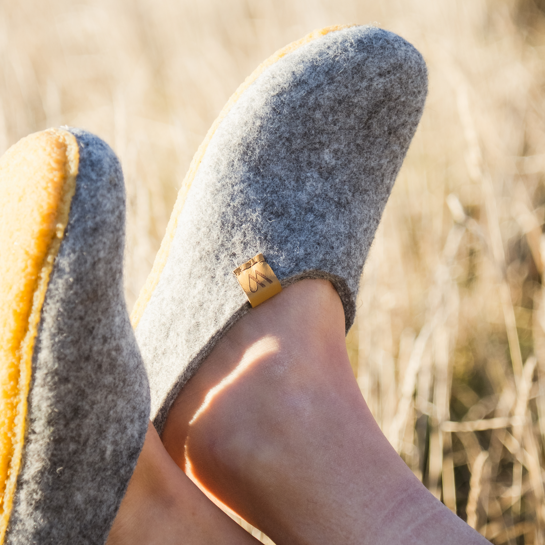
pixel 281 350
pixel 277 380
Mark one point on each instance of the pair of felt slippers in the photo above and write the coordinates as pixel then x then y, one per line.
pixel 290 183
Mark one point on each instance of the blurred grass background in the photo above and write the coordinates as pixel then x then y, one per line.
pixel 449 344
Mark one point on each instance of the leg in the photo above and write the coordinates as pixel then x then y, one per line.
pixel 163 506
pixel 274 425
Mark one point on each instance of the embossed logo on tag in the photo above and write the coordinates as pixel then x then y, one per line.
pixel 257 280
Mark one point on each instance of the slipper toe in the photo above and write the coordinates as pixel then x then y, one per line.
pixel 290 183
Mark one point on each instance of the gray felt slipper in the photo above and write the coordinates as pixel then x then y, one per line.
pixel 74 397
pixel 290 183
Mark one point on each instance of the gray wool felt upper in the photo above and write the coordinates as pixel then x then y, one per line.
pixel 89 396
pixel 300 170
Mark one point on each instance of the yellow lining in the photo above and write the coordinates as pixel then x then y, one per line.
pixel 162 255
pixel 37 183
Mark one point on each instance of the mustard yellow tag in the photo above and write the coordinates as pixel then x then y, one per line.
pixel 257 280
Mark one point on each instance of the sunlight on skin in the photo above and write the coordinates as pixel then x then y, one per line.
pixel 267 346
pixel 227 510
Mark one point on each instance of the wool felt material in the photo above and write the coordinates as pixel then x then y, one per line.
pixel 299 168
pixel 72 376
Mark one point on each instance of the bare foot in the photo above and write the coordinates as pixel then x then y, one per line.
pixel 274 425
pixel 163 507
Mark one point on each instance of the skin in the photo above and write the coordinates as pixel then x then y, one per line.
pixel 163 507
pixel 274 426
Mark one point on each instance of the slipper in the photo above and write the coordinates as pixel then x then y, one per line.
pixel 74 397
pixel 290 183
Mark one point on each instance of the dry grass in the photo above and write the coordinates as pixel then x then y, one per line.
pixel 449 344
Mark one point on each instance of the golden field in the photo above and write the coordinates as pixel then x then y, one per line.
pixel 449 343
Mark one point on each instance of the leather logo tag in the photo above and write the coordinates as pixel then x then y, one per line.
pixel 257 280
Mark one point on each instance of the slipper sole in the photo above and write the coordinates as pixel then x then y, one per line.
pixel 42 197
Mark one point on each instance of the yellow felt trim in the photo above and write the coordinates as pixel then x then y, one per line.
pixel 37 182
pixel 162 255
